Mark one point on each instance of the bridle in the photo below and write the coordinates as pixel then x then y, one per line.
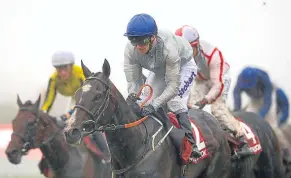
pixel 28 137
pixel 96 114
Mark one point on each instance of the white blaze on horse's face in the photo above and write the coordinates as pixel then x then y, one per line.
pixel 86 87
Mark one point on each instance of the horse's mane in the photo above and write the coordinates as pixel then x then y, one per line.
pixel 29 103
pixel 118 96
pixel 46 116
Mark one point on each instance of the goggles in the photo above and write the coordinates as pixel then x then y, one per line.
pixel 140 41
pixel 62 67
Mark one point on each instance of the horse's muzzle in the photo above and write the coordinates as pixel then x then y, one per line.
pixel 14 156
pixel 73 136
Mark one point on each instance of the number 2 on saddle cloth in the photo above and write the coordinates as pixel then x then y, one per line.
pixel 186 147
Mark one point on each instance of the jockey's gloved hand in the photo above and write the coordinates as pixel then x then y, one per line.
pixel 201 104
pixel 61 120
pixel 147 110
pixel 132 98
pixel 63 117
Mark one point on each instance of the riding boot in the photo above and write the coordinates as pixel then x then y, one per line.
pixel 244 148
pixel 184 122
pixel 102 144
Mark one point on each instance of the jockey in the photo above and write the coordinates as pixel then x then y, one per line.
pixel 212 84
pixel 66 80
pixel 172 69
pixel 257 85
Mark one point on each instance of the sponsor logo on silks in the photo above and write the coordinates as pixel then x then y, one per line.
pixel 186 85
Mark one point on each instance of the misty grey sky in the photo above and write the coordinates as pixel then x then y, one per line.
pixel 247 33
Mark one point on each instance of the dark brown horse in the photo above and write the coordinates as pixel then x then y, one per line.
pixel 138 148
pixel 33 128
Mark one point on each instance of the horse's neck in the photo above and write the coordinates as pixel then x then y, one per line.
pixel 56 150
pixel 126 145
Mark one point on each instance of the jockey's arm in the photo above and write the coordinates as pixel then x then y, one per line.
pixel 237 96
pixel 216 74
pixel 172 75
pixel 284 106
pixel 267 94
pixel 50 95
pixel 132 70
pixel 71 111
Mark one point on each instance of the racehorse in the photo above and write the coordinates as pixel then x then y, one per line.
pixel 140 146
pixel 33 128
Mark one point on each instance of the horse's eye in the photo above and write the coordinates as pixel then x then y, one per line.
pixel 97 97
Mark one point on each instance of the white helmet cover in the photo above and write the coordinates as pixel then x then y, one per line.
pixel 61 58
pixel 190 33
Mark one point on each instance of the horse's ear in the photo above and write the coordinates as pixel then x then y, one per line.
pixel 87 73
pixel 106 68
pixel 19 102
pixel 37 103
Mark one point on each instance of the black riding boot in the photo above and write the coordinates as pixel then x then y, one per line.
pixel 244 149
pixel 184 122
pixel 102 144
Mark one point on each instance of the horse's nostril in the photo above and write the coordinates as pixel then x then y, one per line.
pixel 73 135
pixel 11 153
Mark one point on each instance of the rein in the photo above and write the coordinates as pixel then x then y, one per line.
pixel 29 139
pixel 95 116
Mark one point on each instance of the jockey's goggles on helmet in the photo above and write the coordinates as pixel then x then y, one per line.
pixel 61 67
pixel 140 40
